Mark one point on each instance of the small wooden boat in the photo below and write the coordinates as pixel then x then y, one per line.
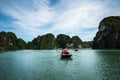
pixel 65 54
pixel 76 49
pixel 66 58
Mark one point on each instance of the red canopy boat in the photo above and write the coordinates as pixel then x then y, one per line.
pixel 66 54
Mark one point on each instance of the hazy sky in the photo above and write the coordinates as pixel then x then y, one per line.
pixel 30 18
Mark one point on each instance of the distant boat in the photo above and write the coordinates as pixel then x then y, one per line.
pixel 65 54
pixel 76 49
pixel 1 49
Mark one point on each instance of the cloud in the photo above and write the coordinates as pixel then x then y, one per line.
pixel 30 20
pixel 78 15
pixel 82 16
pixel 72 17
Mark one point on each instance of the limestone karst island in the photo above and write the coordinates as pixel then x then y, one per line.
pixel 107 37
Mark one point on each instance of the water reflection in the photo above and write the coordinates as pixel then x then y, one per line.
pixel 108 64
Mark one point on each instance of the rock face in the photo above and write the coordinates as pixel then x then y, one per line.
pixel 63 40
pixel 87 44
pixel 9 41
pixel 108 36
pixel 76 41
pixel 46 41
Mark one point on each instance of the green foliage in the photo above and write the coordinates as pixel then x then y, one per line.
pixel 112 21
pixel 9 41
pixel 76 41
pixel 14 47
pixel 21 44
pixel 2 39
pixel 44 42
pixel 63 40
pixel 109 38
pixel 29 45
pixel 87 44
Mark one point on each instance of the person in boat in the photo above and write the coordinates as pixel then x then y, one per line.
pixel 65 52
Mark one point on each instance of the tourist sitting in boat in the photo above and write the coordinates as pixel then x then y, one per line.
pixel 65 52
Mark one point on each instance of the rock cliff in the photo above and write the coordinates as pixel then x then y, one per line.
pixel 108 35
pixel 9 41
pixel 46 41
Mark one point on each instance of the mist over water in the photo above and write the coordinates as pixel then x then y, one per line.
pixel 85 64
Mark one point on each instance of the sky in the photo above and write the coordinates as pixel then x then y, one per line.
pixel 30 18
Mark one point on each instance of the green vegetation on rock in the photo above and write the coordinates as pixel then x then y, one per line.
pixel 63 40
pixel 76 41
pixel 108 36
pixel 47 41
pixel 9 41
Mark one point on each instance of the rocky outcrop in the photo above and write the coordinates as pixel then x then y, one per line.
pixel 87 44
pixel 108 36
pixel 76 41
pixel 9 41
pixel 46 41
pixel 63 40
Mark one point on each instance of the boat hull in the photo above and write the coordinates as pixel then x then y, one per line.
pixel 76 50
pixel 66 56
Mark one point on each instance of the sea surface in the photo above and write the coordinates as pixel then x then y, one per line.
pixel 85 64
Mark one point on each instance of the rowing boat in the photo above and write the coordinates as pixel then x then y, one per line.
pixel 66 55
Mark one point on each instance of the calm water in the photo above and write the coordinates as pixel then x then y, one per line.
pixel 47 65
